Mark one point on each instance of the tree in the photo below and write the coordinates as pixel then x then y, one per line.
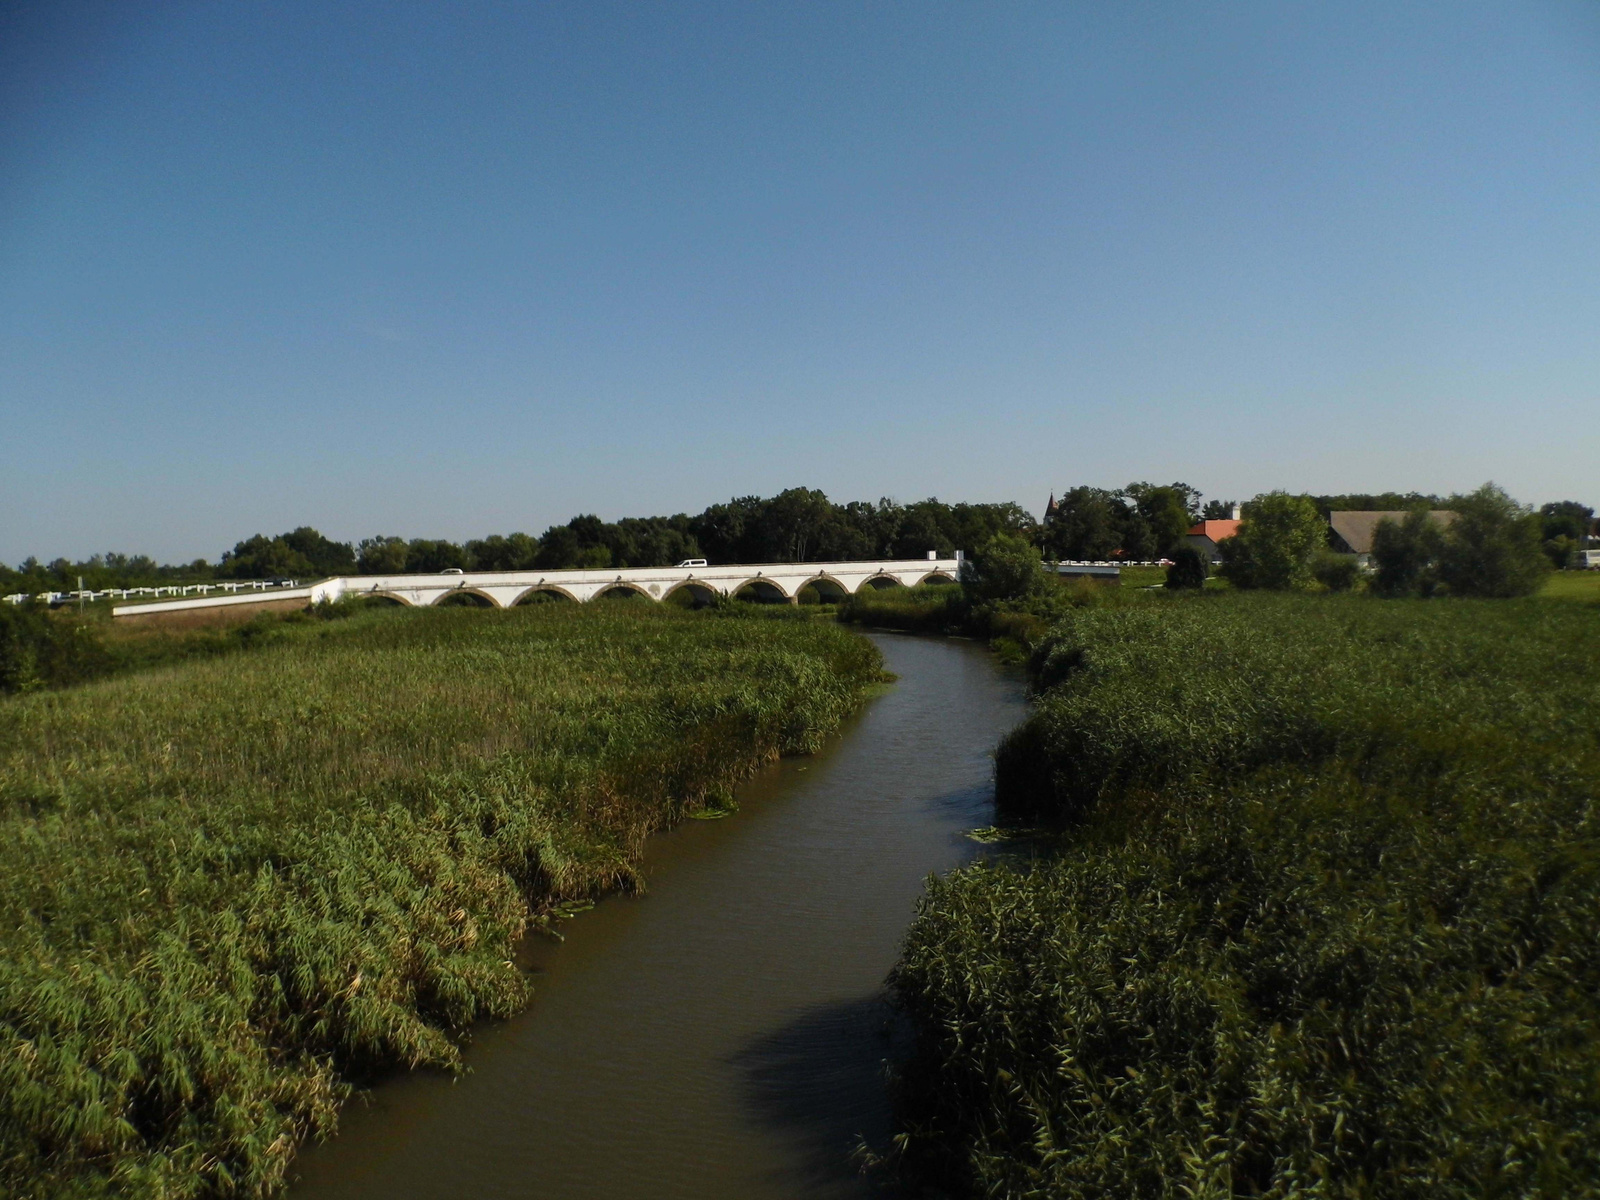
pixel 381 556
pixel 1188 570
pixel 1377 502
pixel 729 533
pixel 261 557
pixel 300 553
pixel 1493 548
pixel 495 553
pixel 1007 567
pixel 790 524
pixel 429 556
pixel 1088 525
pixel 326 556
pixel 1168 512
pixel 1275 543
pixel 1566 525
pixel 1217 510
pixel 920 532
pixel 1406 554
pixel 1565 518
pixel 1336 572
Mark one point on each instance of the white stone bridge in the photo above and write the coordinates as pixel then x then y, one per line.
pixel 773 582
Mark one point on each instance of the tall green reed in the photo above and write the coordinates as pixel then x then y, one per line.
pixel 1318 920
pixel 233 886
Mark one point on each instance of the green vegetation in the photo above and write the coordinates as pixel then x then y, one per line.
pixel 1136 523
pixel 1007 567
pixel 798 525
pixel 1276 544
pixel 1319 920
pixel 1564 529
pixel 1493 548
pixel 1139 522
pixel 231 886
pixel 1005 596
pixel 1188 571
pixel 1572 585
pixel 45 648
pixel 39 650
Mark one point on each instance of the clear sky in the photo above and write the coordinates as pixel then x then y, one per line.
pixel 452 269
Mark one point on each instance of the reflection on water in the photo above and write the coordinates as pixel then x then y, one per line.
pixel 723 1035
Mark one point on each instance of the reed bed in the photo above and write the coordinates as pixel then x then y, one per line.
pixel 234 886
pixel 1317 918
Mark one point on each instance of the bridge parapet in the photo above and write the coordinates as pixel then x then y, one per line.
pixel 506 588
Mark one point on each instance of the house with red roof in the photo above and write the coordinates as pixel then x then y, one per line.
pixel 1205 536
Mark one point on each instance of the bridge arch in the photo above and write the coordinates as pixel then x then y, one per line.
pixel 621 589
pixel 545 593
pixel 692 591
pixel 937 578
pixel 387 597
pixel 879 581
pixel 760 590
pixel 465 597
pixel 828 590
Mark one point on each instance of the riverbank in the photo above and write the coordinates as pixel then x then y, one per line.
pixel 231 886
pixel 1321 911
pixel 721 1036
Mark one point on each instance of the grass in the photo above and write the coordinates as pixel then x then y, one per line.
pixel 1319 923
pixel 1137 577
pixel 1572 585
pixel 231 886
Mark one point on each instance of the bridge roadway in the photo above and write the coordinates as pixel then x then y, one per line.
pixel 502 589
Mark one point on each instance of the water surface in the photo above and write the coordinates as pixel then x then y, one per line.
pixel 720 1037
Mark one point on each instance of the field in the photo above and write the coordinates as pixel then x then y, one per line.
pixel 1573 585
pixel 231 886
pixel 1316 916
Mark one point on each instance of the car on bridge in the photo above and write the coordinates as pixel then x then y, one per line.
pixel 694 562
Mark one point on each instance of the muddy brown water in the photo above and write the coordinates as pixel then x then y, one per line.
pixel 722 1035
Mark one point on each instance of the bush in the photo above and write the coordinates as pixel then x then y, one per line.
pixel 1559 550
pixel 1405 554
pixel 1188 570
pixel 1007 567
pixel 1336 572
pixel 39 648
pixel 1494 547
pixel 1275 543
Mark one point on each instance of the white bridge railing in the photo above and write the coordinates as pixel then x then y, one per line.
pixel 503 589
pixel 155 593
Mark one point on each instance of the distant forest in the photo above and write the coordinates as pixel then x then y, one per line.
pixel 1138 522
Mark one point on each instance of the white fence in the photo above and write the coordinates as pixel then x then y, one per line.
pixel 153 593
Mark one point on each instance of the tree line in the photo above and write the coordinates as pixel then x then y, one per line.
pixel 798 525
pixel 1145 521
pixel 1492 546
pixel 1139 522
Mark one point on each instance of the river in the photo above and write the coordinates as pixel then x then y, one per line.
pixel 722 1035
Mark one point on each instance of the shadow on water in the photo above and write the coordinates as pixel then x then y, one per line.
pixel 818 1082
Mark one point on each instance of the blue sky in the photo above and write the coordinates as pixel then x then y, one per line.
pixel 446 270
